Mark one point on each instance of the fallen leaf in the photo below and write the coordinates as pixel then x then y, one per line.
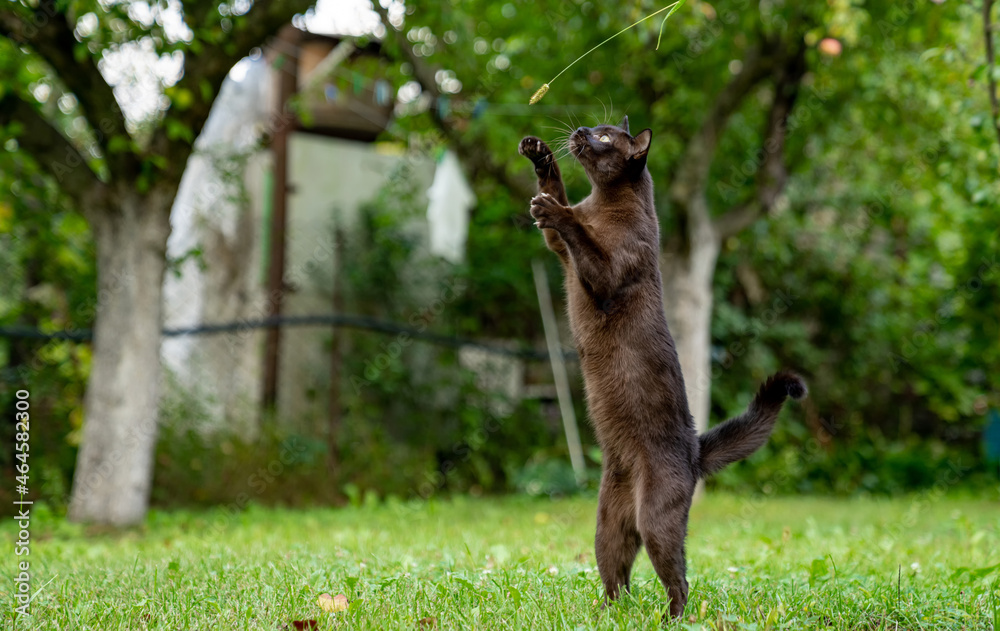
pixel 304 625
pixel 332 604
pixel 428 622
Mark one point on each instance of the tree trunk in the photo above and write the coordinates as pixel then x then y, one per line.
pixel 687 300
pixel 114 466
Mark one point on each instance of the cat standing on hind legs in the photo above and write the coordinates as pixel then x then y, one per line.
pixel 609 247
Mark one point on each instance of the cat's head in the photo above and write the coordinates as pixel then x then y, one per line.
pixel 610 154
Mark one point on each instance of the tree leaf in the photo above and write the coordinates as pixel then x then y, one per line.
pixel 332 604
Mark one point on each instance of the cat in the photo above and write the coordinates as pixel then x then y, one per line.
pixel 652 455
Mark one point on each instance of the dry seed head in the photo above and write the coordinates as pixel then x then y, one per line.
pixel 537 96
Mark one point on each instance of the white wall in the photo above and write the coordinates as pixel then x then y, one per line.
pixel 330 179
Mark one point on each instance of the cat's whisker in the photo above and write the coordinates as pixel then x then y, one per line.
pixel 597 119
pixel 563 153
pixel 625 113
pixel 561 122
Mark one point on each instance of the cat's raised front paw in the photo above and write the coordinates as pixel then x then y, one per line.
pixel 535 150
pixel 548 213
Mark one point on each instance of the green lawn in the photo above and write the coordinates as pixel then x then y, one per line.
pixel 754 563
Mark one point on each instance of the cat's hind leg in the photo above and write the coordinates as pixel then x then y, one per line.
pixel 662 522
pixel 618 540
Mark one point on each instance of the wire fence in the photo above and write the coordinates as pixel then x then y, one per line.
pixel 214 373
pixel 325 320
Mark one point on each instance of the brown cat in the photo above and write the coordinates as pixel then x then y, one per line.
pixel 609 246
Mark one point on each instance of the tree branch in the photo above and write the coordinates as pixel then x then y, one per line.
pixel 50 35
pixel 990 62
pixel 48 147
pixel 691 178
pixel 205 71
pixel 196 12
pixel 471 154
pixel 737 219
pixel 772 175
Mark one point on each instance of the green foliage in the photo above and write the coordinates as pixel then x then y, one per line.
pixel 228 470
pixel 880 279
pixel 877 277
pixel 48 257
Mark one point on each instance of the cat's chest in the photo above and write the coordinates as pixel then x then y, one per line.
pixel 600 321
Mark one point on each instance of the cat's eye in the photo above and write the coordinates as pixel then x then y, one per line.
pixel 604 138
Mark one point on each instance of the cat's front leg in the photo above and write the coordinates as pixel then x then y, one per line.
pixel 549 213
pixel 549 182
pixel 549 177
pixel 600 273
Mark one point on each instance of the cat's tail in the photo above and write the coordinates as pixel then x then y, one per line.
pixel 739 437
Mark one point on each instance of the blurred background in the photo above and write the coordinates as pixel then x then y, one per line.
pixel 249 241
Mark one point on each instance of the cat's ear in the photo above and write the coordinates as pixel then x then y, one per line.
pixel 640 145
pixel 624 123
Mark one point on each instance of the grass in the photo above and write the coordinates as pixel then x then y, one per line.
pixel 754 563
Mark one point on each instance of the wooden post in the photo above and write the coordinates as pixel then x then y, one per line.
pixel 287 85
pixel 336 357
pixel 559 372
